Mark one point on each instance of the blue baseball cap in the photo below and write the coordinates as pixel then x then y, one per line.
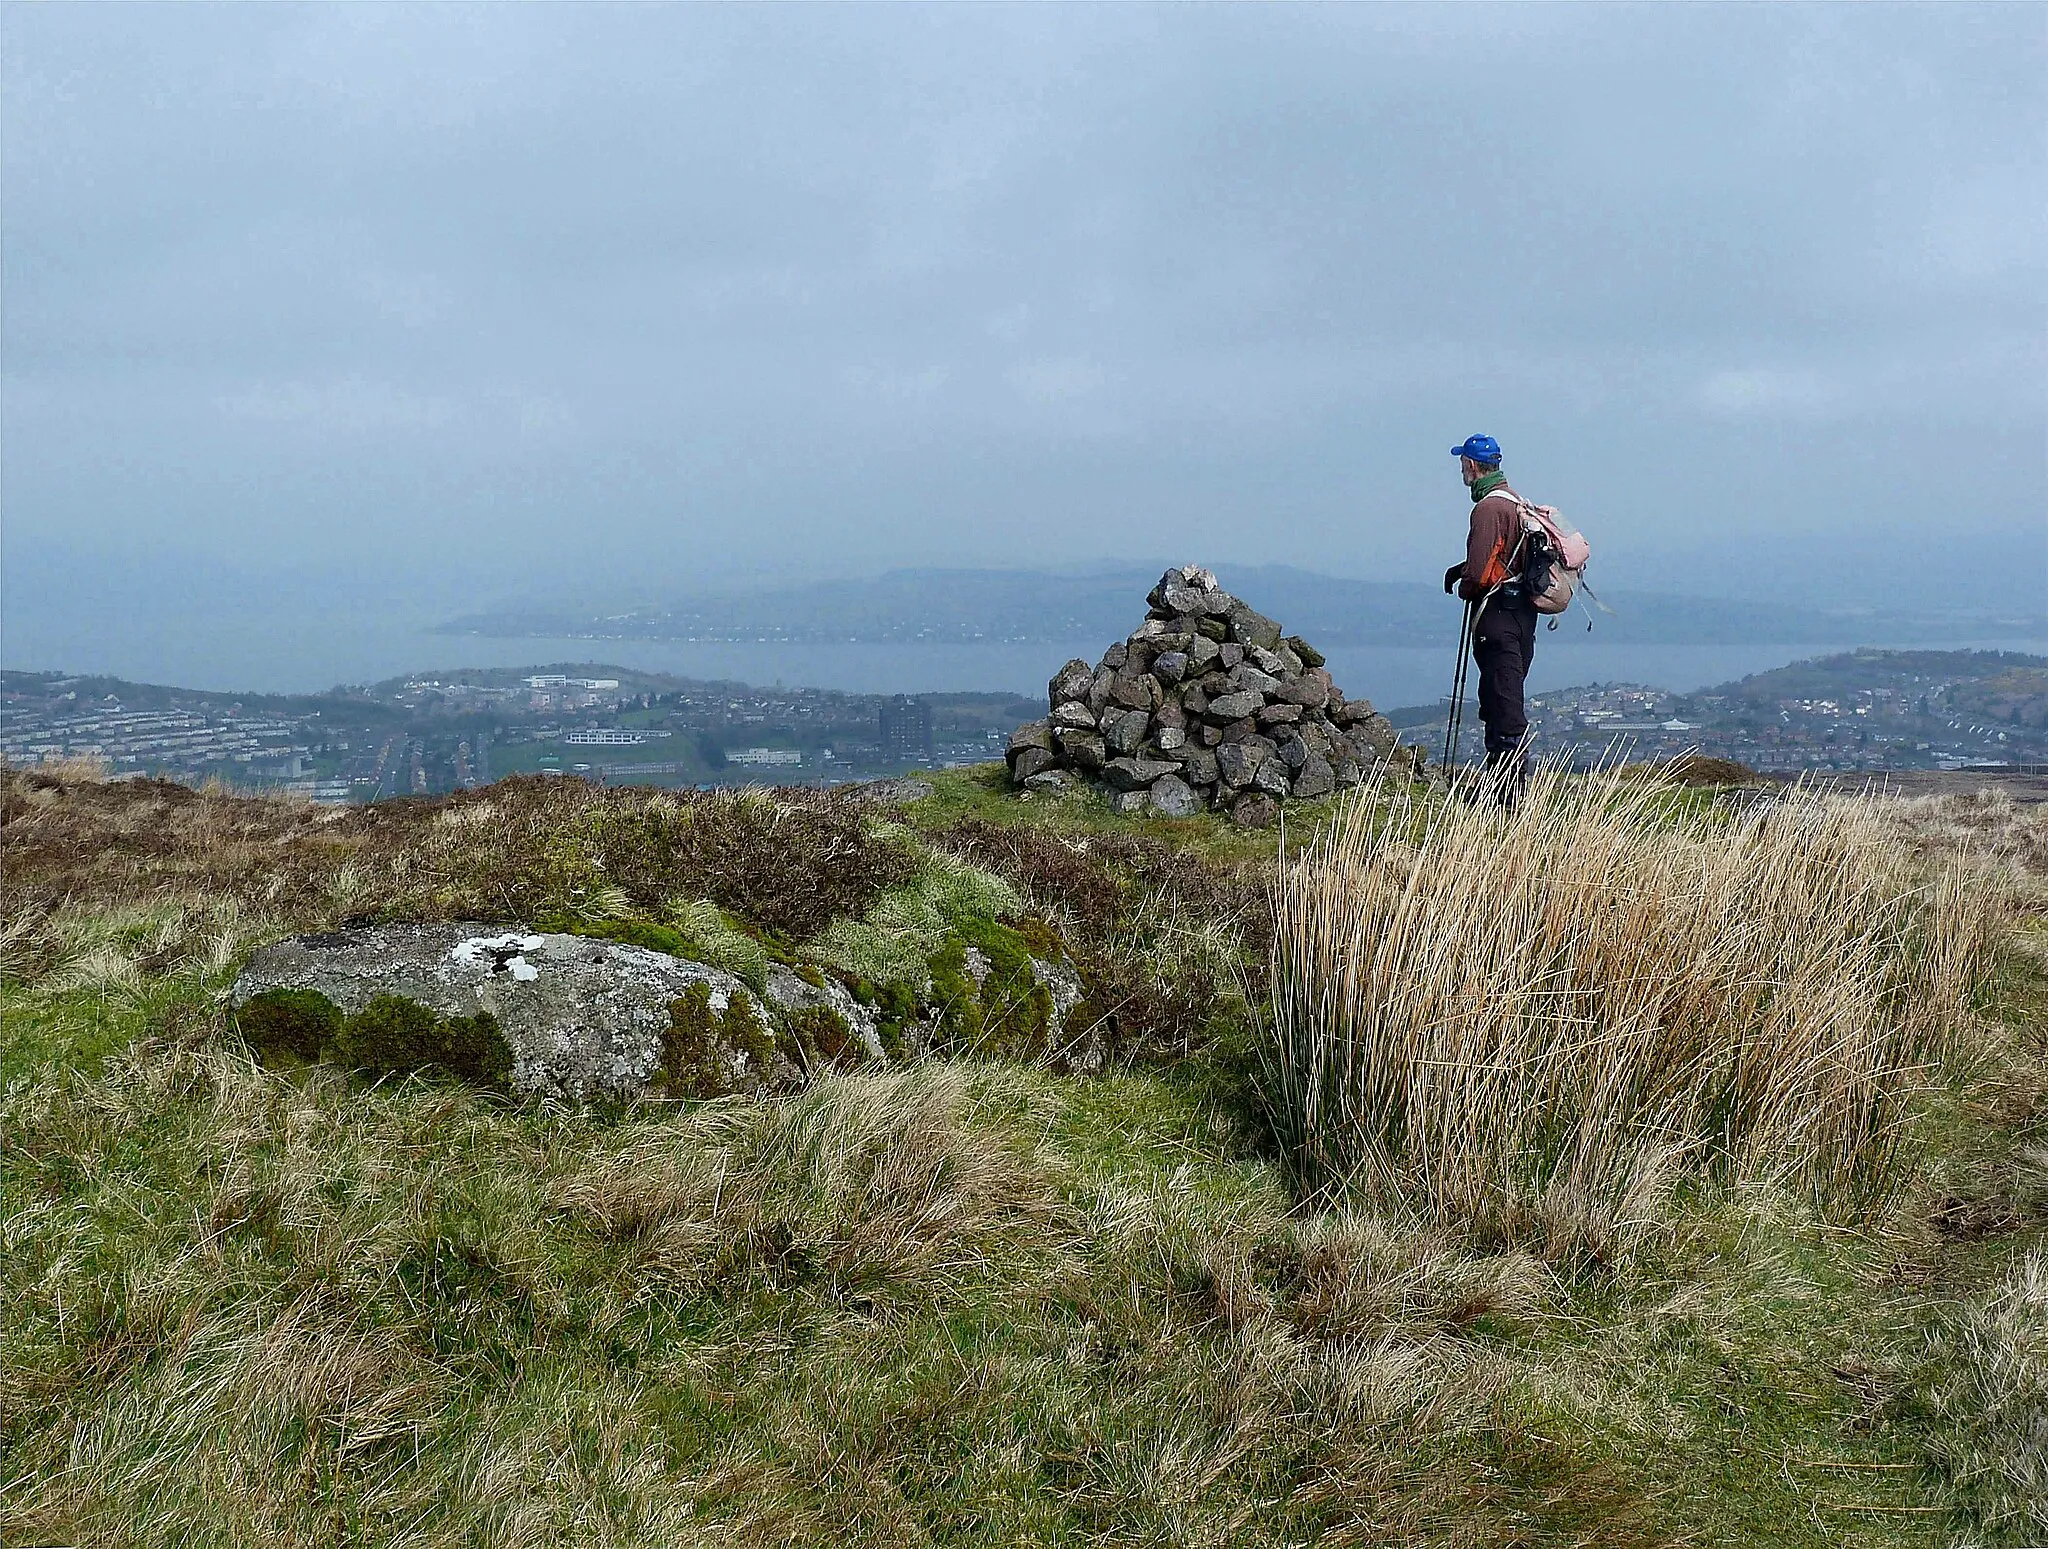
pixel 1481 449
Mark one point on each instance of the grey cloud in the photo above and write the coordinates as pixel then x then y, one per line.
pixel 872 285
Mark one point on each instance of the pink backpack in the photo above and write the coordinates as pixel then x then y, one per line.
pixel 1556 556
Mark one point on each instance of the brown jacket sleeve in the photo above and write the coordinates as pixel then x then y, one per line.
pixel 1496 530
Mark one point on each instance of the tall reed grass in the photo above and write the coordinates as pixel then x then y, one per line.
pixel 1531 1026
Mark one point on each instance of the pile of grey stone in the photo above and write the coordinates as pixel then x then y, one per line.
pixel 1205 705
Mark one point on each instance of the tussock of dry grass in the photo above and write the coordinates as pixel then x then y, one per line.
pixel 868 1185
pixel 1531 1026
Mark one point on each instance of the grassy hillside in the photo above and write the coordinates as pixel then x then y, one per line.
pixel 1623 1174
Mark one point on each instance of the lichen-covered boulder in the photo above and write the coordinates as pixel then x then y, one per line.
pixel 828 1023
pixel 582 1018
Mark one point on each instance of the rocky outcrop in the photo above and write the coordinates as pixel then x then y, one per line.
pixel 583 1018
pixel 1205 704
pixel 577 1018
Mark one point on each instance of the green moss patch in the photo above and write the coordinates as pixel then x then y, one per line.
pixel 300 1023
pixel 393 1035
pixel 632 933
pixel 1008 1013
pixel 698 1046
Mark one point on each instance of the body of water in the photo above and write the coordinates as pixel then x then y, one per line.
pixel 301 653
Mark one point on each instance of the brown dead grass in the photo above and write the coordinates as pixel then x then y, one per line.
pixel 196 868
pixel 1161 934
pixel 1532 1026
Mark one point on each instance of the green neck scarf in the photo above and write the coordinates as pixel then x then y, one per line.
pixel 1486 484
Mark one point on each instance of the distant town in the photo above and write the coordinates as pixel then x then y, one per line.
pixel 439 732
pixel 1863 710
pixel 433 733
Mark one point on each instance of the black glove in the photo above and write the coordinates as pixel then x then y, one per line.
pixel 1453 576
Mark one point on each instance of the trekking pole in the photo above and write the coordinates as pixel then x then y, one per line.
pixel 1454 724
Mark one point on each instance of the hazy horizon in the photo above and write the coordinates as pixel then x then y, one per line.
pixel 408 309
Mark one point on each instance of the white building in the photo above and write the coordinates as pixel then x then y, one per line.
pixel 765 757
pixel 612 737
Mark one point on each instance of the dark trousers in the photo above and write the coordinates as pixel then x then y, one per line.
pixel 1503 644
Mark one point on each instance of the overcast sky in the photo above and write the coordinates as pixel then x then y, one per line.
pixel 648 290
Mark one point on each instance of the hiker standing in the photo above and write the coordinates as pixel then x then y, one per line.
pixel 1504 631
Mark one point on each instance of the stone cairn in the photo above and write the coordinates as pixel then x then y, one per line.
pixel 1204 705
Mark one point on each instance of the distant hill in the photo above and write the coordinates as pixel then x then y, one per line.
pixel 2011 672
pixel 1028 605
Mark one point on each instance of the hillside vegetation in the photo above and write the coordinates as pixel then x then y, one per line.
pixel 1640 1169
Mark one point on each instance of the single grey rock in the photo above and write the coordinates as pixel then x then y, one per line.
pixel 1080 1050
pixel 1074 713
pixel 1201 652
pixel 1272 778
pixel 1099 687
pixel 1229 654
pixel 1070 682
pixel 1130 803
pixel 1135 691
pixel 1130 774
pixel 1172 797
pixel 1310 656
pixel 1311 690
pixel 1198 766
pixel 1116 656
pixel 1291 665
pixel 1169 739
pixel 1051 782
pixel 1372 740
pixel 1026 762
pixel 899 792
pixel 1243 729
pixel 1032 734
pixel 1126 734
pixel 1248 626
pixel 1247 678
pixel 787 991
pixel 1316 778
pixel 1151 629
pixel 1270 662
pixel 1170 714
pixel 1197 601
pixel 1084 749
pixel 1254 809
pixel 1238 762
pixel 1752 803
pixel 1170 666
pixel 584 1017
pixel 1347 772
pixel 1294 752
pixel 1279 715
pixel 1194 699
pixel 1233 706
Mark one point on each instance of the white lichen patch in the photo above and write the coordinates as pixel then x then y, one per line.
pixel 499 954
